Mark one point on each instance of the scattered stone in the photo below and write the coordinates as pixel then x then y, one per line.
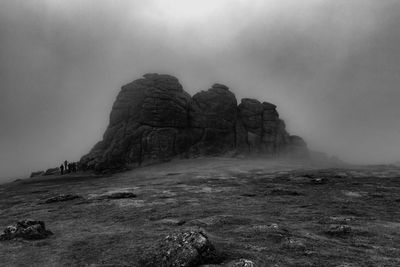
pixel 284 192
pixel 352 194
pixel 273 231
pixel 377 195
pixel 248 195
pixel 336 220
pixel 26 229
pixel 119 195
pixel 184 249
pixel 345 264
pixel 294 244
pixel 240 263
pixel 319 181
pixel 61 198
pixel 339 230
pixel 177 222
pixel 173 173
pixel 220 220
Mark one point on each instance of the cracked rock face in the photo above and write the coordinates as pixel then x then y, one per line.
pixel 153 120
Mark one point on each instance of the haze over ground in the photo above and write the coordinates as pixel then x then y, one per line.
pixel 331 67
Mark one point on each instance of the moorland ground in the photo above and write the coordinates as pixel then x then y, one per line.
pixel 272 212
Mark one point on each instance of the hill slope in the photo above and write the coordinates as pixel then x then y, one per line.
pixel 273 213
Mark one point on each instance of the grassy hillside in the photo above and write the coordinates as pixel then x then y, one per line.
pixel 273 213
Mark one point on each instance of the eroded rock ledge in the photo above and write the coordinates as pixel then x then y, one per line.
pixel 153 120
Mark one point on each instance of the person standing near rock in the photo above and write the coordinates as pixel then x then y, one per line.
pixel 69 168
pixel 65 165
pixel 62 169
pixel 74 167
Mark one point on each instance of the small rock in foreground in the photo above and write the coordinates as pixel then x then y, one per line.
pixel 61 198
pixel 284 192
pixel 26 229
pixel 319 181
pixel 119 195
pixel 241 263
pixel 339 230
pixel 184 249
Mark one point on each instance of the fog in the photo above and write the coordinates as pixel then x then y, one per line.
pixel 331 67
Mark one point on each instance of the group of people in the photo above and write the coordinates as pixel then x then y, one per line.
pixel 68 167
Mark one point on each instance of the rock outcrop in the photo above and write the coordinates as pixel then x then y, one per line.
pixel 153 120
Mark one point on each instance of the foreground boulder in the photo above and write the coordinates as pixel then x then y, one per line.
pixel 27 229
pixel 184 249
pixel 154 120
pixel 241 263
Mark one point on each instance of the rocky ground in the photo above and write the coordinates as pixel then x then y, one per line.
pixel 269 213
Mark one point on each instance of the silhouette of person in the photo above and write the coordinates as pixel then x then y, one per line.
pixel 62 169
pixel 65 165
pixel 69 167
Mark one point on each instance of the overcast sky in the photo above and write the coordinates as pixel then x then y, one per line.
pixel 332 67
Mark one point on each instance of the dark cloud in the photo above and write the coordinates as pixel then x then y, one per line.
pixel 332 67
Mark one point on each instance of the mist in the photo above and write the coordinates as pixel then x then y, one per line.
pixel 331 67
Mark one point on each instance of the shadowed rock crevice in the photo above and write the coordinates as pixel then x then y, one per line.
pixel 154 120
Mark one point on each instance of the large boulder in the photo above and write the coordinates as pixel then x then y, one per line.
pixel 250 125
pixel 259 129
pixel 214 112
pixel 154 120
pixel 215 108
pixel 143 124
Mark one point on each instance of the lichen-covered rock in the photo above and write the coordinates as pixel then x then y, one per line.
pixel 27 229
pixel 154 120
pixel 184 249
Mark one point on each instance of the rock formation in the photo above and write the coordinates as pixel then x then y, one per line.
pixel 153 120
